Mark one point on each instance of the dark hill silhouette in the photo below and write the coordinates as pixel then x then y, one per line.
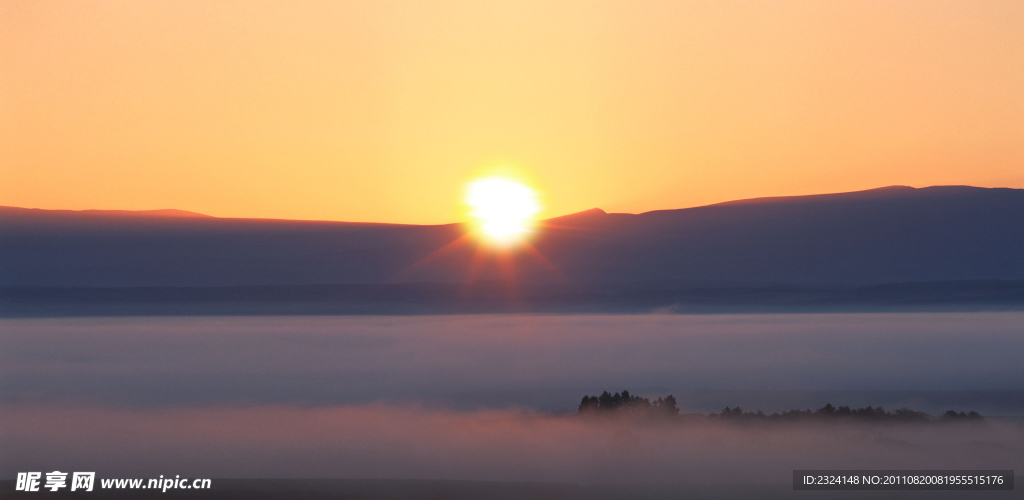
pixel 16 212
pixel 888 235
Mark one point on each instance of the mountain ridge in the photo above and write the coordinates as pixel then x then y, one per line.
pixel 881 192
pixel 888 235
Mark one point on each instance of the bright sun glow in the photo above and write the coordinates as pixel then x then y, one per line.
pixel 503 208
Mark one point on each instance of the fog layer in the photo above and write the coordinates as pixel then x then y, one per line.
pixel 772 361
pixel 382 441
pixel 476 397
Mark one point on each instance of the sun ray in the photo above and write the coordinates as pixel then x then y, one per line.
pixel 448 248
pixel 535 254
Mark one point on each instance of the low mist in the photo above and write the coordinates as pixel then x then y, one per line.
pixel 494 397
pixel 931 362
pixel 382 441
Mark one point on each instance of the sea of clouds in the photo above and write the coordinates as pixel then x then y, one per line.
pixel 491 397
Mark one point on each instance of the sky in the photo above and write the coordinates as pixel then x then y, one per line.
pixel 383 111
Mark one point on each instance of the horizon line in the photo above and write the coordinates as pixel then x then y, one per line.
pixel 172 213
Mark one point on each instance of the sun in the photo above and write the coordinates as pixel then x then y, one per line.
pixel 503 209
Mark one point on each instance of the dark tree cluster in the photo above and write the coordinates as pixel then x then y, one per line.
pixel 624 402
pixel 952 415
pixel 829 411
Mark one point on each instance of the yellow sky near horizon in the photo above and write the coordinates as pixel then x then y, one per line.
pixel 383 111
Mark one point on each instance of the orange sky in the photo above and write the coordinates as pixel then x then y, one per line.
pixel 382 111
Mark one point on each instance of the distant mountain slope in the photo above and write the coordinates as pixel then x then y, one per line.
pixel 15 212
pixel 887 235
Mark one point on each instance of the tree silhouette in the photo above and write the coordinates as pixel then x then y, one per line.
pixel 625 403
pixel 953 415
pixel 666 406
pixel 588 404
